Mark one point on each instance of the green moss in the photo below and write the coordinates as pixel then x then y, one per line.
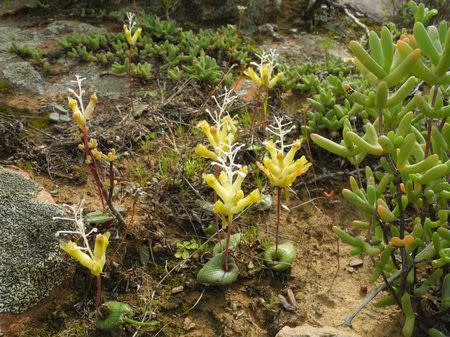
pixel 3 84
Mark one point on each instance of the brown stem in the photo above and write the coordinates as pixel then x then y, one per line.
pixel 111 180
pixel 227 248
pixel 98 294
pixel 397 179
pixel 429 123
pixel 277 231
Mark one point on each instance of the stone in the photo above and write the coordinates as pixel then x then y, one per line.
pixel 177 290
pixel 59 118
pixel 310 331
pixel 22 75
pixel 188 324
pixel 356 263
pixel 60 27
pixel 32 265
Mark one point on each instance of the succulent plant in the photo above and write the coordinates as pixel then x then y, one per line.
pixel 281 169
pixel 405 202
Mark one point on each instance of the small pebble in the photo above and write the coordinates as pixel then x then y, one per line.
pixel 58 118
pixel 350 269
pixel 355 263
pixel 188 324
pixel 177 290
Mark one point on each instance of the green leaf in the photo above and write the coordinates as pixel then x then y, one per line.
pixel 220 246
pixel 98 217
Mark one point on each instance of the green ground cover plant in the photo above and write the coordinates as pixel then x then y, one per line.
pixel 404 203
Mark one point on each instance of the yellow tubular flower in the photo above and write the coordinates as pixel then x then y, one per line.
pixel 132 39
pixel 253 76
pixel 232 200
pixel 91 106
pixel 101 243
pixel 217 138
pixel 95 264
pixel 202 151
pixel 77 116
pixel 83 258
pixel 282 170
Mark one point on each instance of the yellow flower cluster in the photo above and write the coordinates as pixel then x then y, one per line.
pixel 218 138
pixel 94 262
pixel 281 169
pixel 132 39
pixel 232 200
pixel 80 117
pixel 264 78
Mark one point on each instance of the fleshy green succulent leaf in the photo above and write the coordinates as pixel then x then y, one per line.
pixel 424 41
pixel 408 326
pixel 213 271
pixel 283 259
pixel 331 146
pixel 367 60
pixel 111 315
pixel 380 264
pixel 220 246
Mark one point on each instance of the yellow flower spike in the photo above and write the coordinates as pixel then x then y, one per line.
pixel 132 39
pixel 232 198
pixel 98 154
pixel 91 106
pixel 202 151
pixel 111 156
pixel 92 143
pixel 282 169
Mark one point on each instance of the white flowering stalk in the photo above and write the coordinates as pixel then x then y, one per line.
pixel 228 187
pixel 223 129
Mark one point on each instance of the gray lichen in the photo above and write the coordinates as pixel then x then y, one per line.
pixel 31 263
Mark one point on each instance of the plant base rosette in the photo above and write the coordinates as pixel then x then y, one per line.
pixel 213 272
pixel 283 259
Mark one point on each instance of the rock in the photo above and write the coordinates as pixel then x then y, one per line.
pixel 32 263
pixel 310 331
pixel 188 324
pixel 60 27
pixel 23 75
pixel 59 118
pixel 350 269
pixel 356 263
pixel 177 290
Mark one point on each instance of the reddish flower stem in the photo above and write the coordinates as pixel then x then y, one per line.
pixel 99 292
pixel 93 166
pixel 277 231
pixel 227 249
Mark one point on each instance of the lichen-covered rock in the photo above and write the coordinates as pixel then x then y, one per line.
pixel 310 331
pixel 22 75
pixel 32 264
